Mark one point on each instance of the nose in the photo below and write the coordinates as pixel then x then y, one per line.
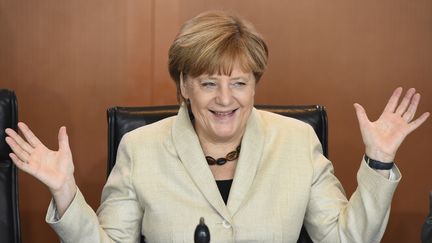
pixel 224 95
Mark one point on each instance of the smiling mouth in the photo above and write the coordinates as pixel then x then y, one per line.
pixel 223 113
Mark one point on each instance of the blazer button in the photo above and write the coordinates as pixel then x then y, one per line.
pixel 226 225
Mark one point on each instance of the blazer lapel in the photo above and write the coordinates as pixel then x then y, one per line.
pixel 191 155
pixel 247 165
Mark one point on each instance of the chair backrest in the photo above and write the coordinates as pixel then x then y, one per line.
pixel 426 231
pixel 9 210
pixel 124 119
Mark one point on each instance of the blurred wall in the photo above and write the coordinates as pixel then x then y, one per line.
pixel 68 61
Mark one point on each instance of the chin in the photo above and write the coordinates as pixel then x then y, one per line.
pixel 225 134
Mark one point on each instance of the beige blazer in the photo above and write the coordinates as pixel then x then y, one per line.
pixel 161 185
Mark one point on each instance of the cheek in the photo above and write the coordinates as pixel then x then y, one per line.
pixel 199 105
pixel 248 98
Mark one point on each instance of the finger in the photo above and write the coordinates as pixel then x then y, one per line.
pixel 28 134
pixel 10 132
pixel 19 163
pixel 19 152
pixel 63 139
pixel 412 108
pixel 18 139
pixel 405 102
pixel 393 101
pixel 361 115
pixel 417 122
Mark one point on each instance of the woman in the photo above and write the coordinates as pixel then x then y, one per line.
pixel 169 174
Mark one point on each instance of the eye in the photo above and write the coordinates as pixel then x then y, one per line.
pixel 208 84
pixel 239 84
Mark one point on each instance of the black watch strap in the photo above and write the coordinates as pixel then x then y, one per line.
pixel 378 165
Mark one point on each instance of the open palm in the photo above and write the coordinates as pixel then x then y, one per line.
pixel 53 168
pixel 383 137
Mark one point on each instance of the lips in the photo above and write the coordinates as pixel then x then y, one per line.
pixel 223 113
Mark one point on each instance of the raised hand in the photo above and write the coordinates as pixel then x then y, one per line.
pixel 383 137
pixel 53 168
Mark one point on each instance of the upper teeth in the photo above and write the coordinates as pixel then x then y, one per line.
pixel 222 113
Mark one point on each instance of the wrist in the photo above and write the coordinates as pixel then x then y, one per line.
pixel 64 196
pixel 378 165
pixel 68 187
pixel 379 155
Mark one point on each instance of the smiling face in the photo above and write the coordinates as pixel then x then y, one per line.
pixel 221 104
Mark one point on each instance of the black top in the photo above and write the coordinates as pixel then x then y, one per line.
pixel 224 188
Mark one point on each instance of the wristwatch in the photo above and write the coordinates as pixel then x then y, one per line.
pixel 378 165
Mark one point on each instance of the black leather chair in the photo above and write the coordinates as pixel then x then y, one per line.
pixel 124 119
pixel 9 210
pixel 426 232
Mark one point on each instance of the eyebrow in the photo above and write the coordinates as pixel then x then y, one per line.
pixel 244 78
pixel 213 77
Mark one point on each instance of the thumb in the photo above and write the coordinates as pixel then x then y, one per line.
pixel 361 115
pixel 63 139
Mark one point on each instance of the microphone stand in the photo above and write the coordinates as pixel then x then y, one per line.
pixel 202 232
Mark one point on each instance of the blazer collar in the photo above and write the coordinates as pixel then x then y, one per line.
pixel 191 155
pixel 249 160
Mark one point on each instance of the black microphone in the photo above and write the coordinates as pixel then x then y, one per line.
pixel 202 232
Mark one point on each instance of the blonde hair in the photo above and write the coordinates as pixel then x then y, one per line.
pixel 212 43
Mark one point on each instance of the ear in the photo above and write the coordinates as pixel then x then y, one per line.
pixel 183 88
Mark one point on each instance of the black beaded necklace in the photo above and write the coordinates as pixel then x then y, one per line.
pixel 233 155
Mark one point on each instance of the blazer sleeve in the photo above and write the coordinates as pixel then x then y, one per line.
pixel 330 217
pixel 119 216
